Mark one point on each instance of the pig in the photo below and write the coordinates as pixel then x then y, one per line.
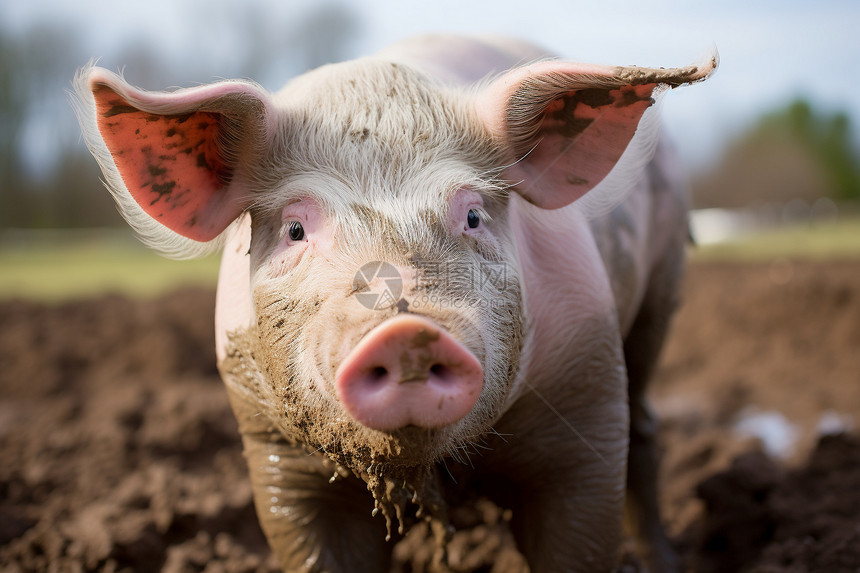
pixel 448 267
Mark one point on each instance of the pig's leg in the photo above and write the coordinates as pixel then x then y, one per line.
pixel 567 514
pixel 311 524
pixel 641 351
pixel 566 456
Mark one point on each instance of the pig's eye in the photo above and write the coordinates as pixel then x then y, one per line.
pixel 296 231
pixel 473 219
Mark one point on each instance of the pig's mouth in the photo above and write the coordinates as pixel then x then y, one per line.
pixel 395 461
pixel 385 403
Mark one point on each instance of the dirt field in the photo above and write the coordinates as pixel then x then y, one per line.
pixel 118 451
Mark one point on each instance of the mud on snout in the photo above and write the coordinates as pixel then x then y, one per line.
pixel 367 382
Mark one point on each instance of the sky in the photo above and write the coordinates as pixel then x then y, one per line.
pixel 771 51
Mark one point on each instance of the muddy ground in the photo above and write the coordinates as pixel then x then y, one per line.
pixel 118 451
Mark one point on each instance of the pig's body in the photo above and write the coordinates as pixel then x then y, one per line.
pixel 550 341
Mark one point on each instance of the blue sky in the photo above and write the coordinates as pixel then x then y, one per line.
pixel 771 51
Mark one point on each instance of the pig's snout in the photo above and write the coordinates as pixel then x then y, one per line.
pixel 409 371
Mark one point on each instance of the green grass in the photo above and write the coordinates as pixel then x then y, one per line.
pixel 819 241
pixel 73 266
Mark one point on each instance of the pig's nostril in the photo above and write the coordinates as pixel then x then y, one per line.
pixel 440 371
pixel 378 373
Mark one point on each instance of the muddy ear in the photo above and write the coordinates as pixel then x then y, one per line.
pixel 564 126
pixel 176 163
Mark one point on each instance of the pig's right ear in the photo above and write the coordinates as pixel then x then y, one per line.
pixel 563 126
pixel 177 163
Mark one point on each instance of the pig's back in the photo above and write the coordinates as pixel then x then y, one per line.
pixel 462 60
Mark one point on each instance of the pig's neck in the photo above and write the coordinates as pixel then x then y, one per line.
pixel 565 286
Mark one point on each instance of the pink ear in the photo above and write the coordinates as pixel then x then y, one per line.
pixel 177 153
pixel 564 126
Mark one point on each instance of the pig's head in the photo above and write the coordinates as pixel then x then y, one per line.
pixel 388 316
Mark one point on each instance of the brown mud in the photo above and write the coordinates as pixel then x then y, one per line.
pixel 118 450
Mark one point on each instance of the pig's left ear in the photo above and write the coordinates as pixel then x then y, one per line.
pixel 179 164
pixel 564 126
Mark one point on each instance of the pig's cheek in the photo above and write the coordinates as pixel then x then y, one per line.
pixel 484 241
pixel 286 257
pixel 482 234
